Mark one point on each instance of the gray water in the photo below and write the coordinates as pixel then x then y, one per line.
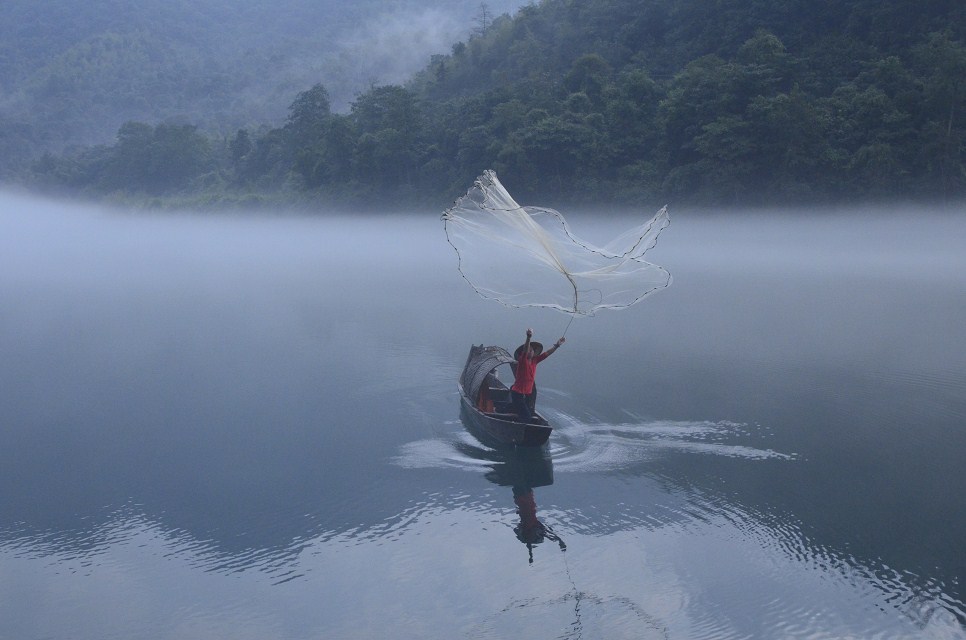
pixel 221 427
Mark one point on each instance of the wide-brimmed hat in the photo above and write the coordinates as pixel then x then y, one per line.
pixel 536 346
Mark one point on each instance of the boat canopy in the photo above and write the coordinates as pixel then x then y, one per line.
pixel 481 361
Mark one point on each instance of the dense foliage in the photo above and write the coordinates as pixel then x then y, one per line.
pixel 610 100
pixel 71 73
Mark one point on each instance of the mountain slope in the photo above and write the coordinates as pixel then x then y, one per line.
pixel 611 101
pixel 72 73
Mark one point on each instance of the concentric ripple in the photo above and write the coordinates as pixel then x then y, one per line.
pixel 592 447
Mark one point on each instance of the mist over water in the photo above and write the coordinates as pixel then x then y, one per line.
pixel 218 426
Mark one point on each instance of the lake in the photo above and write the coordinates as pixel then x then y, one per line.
pixel 248 427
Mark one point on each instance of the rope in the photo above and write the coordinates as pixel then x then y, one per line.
pixel 577 626
pixel 567 328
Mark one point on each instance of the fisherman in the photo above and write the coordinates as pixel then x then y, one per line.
pixel 523 393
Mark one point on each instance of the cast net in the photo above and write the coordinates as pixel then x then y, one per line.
pixel 529 257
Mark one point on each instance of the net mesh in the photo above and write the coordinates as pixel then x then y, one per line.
pixel 528 256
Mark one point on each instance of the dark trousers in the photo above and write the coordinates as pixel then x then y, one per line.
pixel 524 404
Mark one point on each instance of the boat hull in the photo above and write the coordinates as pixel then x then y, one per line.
pixel 498 432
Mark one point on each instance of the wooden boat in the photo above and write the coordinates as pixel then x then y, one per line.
pixel 485 403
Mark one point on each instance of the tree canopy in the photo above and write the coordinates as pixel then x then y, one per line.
pixel 614 101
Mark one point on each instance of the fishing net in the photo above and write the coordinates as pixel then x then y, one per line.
pixel 528 256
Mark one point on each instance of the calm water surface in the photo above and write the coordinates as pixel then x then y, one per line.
pixel 249 428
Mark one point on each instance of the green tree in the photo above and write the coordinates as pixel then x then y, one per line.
pixel 704 91
pixel 306 130
pixel 589 75
pixel 865 131
pixel 631 108
pixel 788 133
pixel 309 115
pixel 389 124
pixel 155 160
pixel 387 107
pixel 943 130
pixel 240 146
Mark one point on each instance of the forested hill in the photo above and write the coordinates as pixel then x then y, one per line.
pixel 610 101
pixel 73 72
pixel 832 41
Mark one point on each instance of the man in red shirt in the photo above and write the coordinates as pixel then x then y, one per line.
pixel 523 392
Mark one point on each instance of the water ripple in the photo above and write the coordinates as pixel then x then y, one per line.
pixel 578 446
pixel 595 447
pixel 573 616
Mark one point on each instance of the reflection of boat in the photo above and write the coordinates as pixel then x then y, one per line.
pixel 485 402
pixel 527 467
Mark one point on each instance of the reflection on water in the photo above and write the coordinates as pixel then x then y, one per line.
pixel 590 616
pixel 248 428
pixel 769 551
pixel 578 446
pixel 523 469
pixel 610 447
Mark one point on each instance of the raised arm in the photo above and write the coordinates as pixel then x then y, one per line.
pixel 556 345
pixel 526 345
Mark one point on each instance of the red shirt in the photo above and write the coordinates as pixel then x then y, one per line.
pixel 527 508
pixel 526 372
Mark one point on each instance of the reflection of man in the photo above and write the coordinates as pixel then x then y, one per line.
pixel 531 531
